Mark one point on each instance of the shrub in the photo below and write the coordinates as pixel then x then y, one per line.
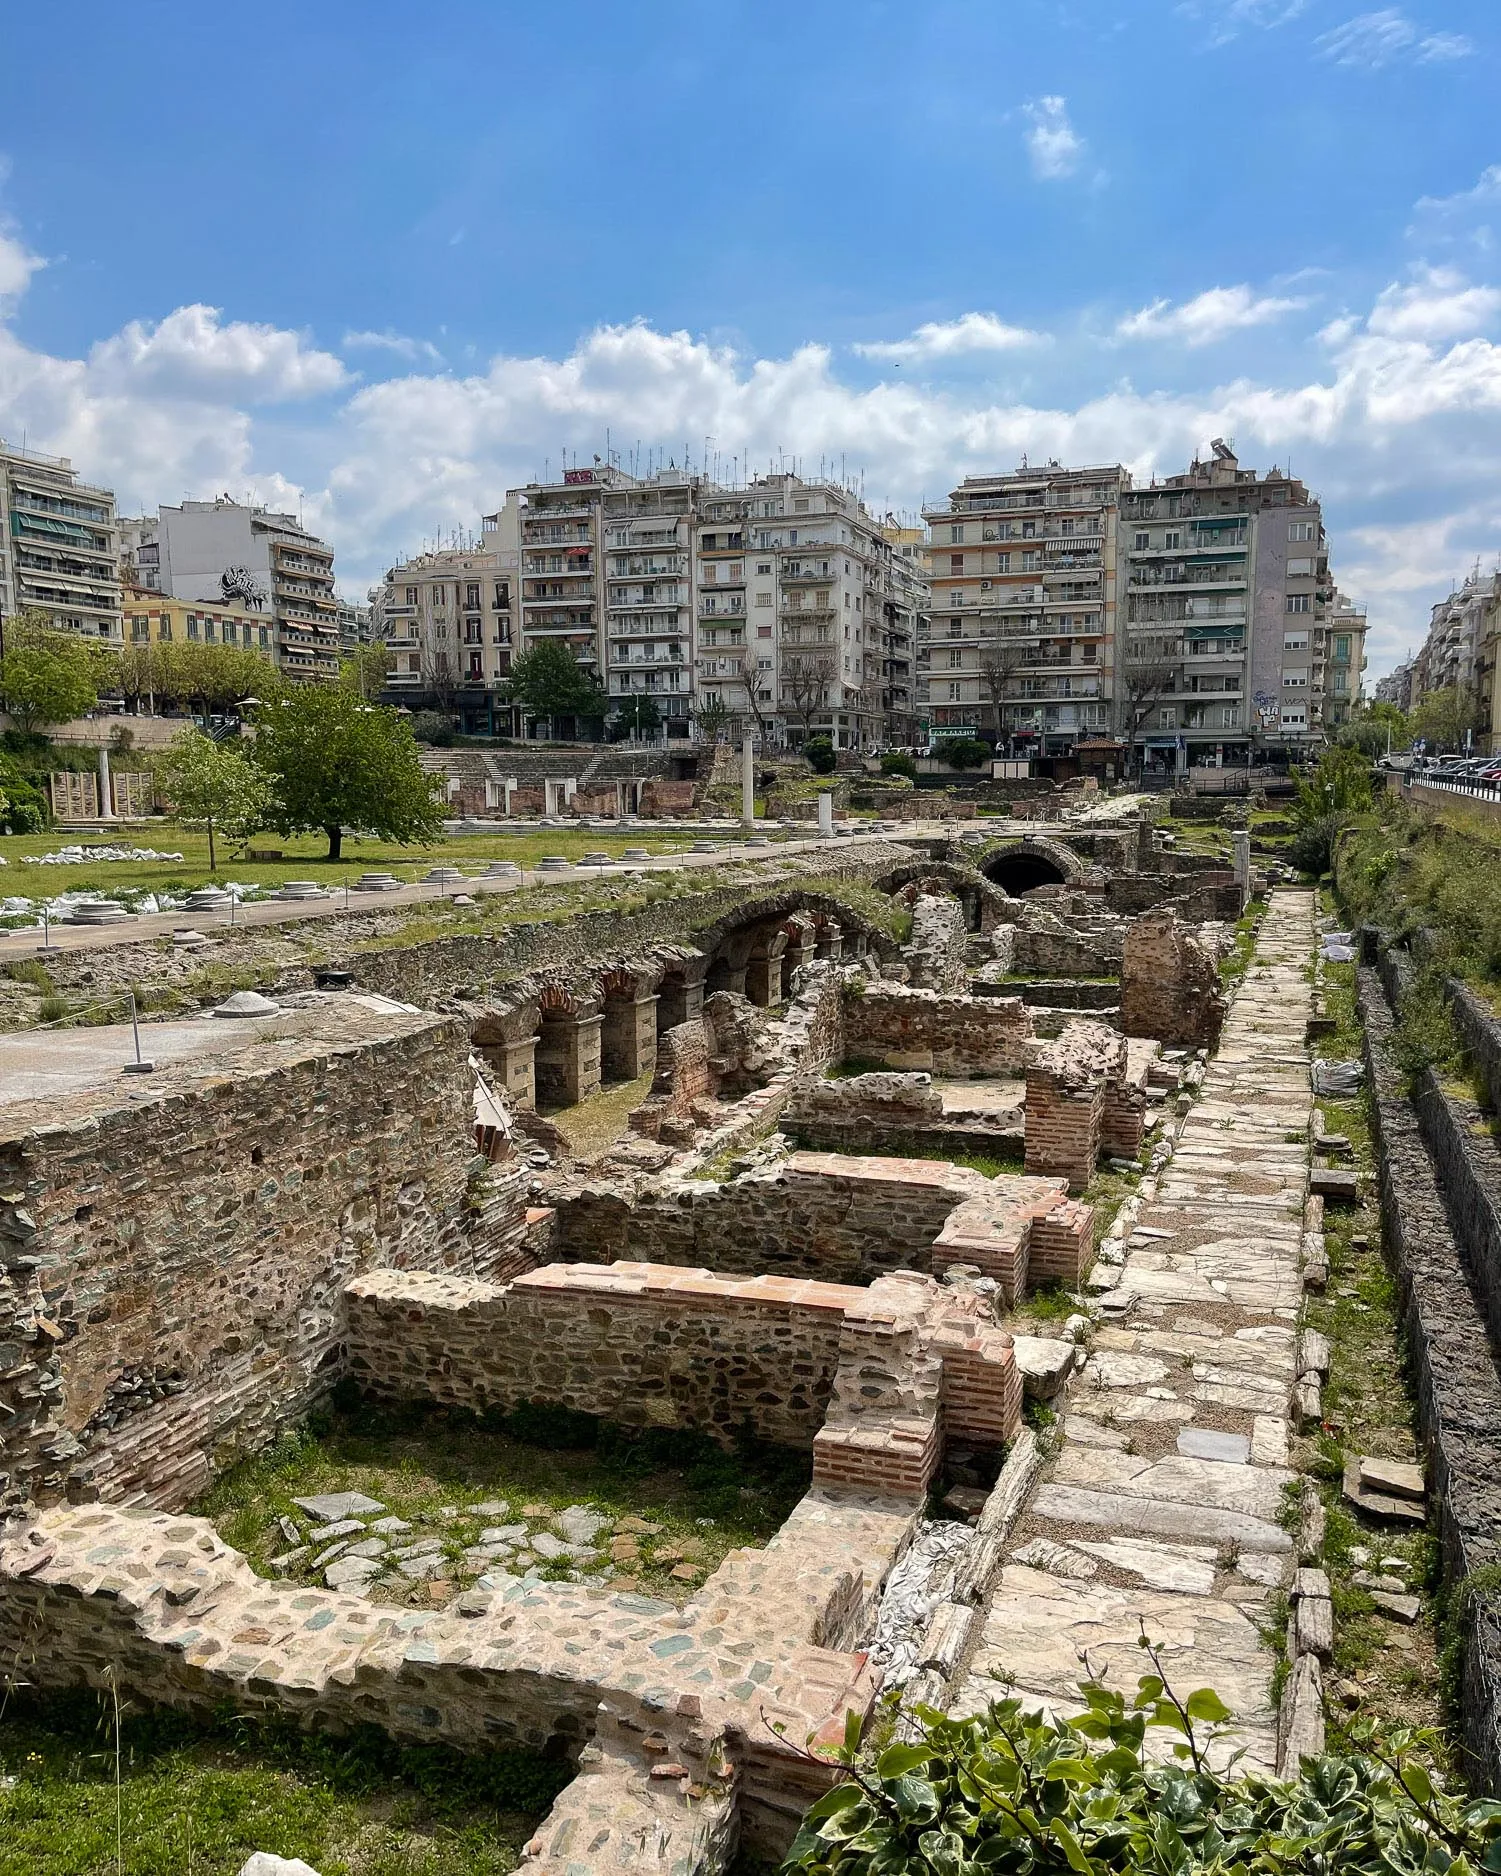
pixel 433 728
pixel 966 752
pixel 1015 1791
pixel 820 754
pixel 898 762
pixel 1311 849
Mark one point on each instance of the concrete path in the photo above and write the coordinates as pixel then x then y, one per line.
pixel 1160 1510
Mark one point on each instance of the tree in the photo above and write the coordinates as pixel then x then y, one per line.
pixel 898 762
pixel 333 763
pixel 638 715
pixel 47 676
pixel 365 670
pixel 548 681
pixel 760 716
pixel 806 677
pixel 713 716
pixel 997 664
pixel 1375 729
pixel 1445 717
pixel 214 787
pixel 1145 680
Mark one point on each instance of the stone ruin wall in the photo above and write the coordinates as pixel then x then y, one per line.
pixel 1170 983
pixel 946 1035
pixel 831 1217
pixel 640 1344
pixel 171 1269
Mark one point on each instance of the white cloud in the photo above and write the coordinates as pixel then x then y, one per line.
pixel 1370 41
pixel 397 343
pixel 953 338
pixel 191 353
pixel 1396 412
pixel 1055 147
pixel 1209 316
pixel 17 265
pixel 1439 304
pixel 1485 194
pixel 1228 18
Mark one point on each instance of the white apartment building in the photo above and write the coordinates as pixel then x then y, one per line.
pixel 225 552
pixel 1022 638
pixel 783 599
pixel 1346 661
pixel 59 545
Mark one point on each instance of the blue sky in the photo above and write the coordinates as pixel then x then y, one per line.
pixel 383 261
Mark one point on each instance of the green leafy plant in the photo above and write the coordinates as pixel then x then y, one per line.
pixel 820 753
pixel 898 762
pixel 213 787
pixel 332 762
pixel 1032 1795
pixel 966 752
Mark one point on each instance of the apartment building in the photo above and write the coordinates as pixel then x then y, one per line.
pixel 1021 640
pixel 154 618
pixel 1396 686
pixel 59 545
pixel 447 619
pixel 1345 663
pixel 1462 653
pixel 1226 598
pixel 228 553
pixel 652 529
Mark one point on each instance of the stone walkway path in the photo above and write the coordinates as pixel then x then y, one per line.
pixel 1160 1510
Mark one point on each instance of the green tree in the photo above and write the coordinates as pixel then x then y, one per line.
pixel 1340 783
pixel 898 762
pixel 548 681
pixel 1375 729
pixel 212 786
pixel 638 715
pixel 333 763
pixel 365 670
pixel 1446 717
pixel 47 676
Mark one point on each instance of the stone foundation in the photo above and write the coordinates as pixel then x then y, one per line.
pixel 947 1035
pixel 171 1257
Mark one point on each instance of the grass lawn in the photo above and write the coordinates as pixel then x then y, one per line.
pixel 433 1465
pixel 196 1797
pixel 303 858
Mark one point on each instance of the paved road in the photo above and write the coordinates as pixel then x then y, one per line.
pixel 1162 1506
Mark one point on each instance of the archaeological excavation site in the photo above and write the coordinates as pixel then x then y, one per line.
pixel 635 1342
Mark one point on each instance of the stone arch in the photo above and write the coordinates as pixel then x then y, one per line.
pixel 983 900
pixel 724 938
pixel 1021 866
pixel 628 1036
pixel 680 988
pixel 568 1044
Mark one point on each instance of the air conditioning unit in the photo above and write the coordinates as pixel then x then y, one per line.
pixel 985 586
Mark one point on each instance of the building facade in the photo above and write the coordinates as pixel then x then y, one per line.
pixel 1226 598
pixel 1345 665
pixel 447 621
pixel 224 552
pixel 59 546
pixel 1021 642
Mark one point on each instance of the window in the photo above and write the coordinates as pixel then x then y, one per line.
pixel 1295 680
pixel 800 506
pixel 1172 538
pixel 956 659
pixel 471 597
pixel 956 693
pixel 956 628
pixel 1143 540
pixel 1003 563
pixel 1302 531
pixel 763 631
pixel 502 595
pixel 763 566
pixel 193 625
pixel 956 535
pixel 1300 602
pixel 763 599
pixel 1295 641
pixel 437 599
pixel 1167 719
pixel 956 563
pixel 1342 648
pixel 230 634
pixel 1300 569
pixel 1031 560
pixel 265 632
pixel 411 596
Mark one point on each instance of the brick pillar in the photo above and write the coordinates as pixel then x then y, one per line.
pixel 628 1040
pixel 680 999
pixel 568 1065
pixel 515 1062
pixel 830 939
pixel 1123 1118
pixel 1063 1121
